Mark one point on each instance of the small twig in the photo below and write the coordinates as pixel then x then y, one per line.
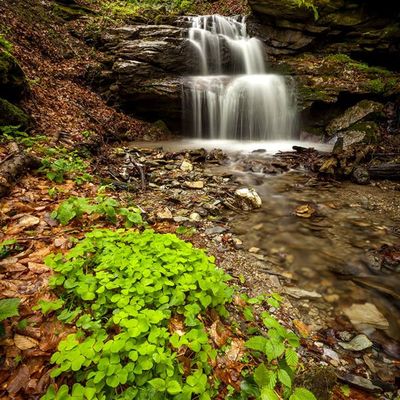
pixel 139 168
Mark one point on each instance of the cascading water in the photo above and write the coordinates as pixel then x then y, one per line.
pixel 233 97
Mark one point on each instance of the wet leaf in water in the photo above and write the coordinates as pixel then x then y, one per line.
pixel 305 211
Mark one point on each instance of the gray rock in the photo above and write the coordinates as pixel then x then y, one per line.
pixel 360 342
pixel 366 316
pixel 301 293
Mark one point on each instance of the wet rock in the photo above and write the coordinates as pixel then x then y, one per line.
pixel 354 114
pixel 301 293
pixel 254 250
pixel 366 315
pixel 361 176
pixel 195 184
pixel 247 199
pixel 186 166
pixel 360 342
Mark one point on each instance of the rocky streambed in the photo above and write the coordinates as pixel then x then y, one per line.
pixel 332 249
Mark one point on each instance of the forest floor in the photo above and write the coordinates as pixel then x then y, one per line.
pixel 176 191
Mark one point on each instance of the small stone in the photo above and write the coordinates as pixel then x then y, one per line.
pixel 186 166
pixel 215 230
pixel 247 199
pixel 180 219
pixel 195 184
pixel 331 298
pixel 301 293
pixel 254 250
pixel 237 243
pixel 360 342
pixel 344 335
pixel 195 217
pixel 165 213
pixel 366 315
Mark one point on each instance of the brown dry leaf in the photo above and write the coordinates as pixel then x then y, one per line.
pixel 19 380
pixel 25 342
pixel 236 351
pixel 228 371
pixel 238 301
pixel 305 211
pixel 302 328
pixel 37 268
pixel 219 333
pixel 176 325
pixel 27 221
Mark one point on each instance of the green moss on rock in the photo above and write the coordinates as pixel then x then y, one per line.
pixel 12 115
pixel 69 12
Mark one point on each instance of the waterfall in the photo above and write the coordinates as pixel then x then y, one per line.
pixel 232 97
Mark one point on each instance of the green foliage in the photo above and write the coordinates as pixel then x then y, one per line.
pixel 278 349
pixel 5 44
pixel 58 167
pixel 9 308
pixel 13 133
pixel 76 207
pixel 47 307
pixel 363 67
pixel 308 4
pixel 6 247
pixel 125 287
pixel 376 85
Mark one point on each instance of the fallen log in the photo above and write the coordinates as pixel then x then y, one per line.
pixel 384 171
pixel 13 168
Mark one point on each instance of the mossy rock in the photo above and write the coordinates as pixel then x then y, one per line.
pixel 12 115
pixel 70 12
pixel 12 78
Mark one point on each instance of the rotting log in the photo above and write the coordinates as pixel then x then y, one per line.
pixel 385 171
pixel 13 168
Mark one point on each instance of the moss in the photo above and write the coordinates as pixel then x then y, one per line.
pixel 376 86
pixel 320 380
pixel 370 129
pixel 12 115
pixel 341 58
pixel 69 12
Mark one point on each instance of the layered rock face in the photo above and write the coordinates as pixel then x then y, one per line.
pixel 146 66
pixel 366 29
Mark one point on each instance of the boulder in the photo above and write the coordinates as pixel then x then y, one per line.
pixel 356 113
pixel 10 114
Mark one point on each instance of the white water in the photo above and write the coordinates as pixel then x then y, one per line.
pixel 233 97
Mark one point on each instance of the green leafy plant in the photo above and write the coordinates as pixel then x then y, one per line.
pixel 59 167
pixel 308 4
pixel 76 207
pixel 7 247
pixel 127 288
pixel 47 307
pixel 9 308
pixel 5 44
pixel 12 133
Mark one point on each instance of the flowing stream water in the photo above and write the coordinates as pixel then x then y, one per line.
pixel 233 97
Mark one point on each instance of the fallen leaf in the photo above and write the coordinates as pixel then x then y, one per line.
pixel 25 342
pixel 236 350
pixel 219 333
pixel 19 380
pixel 302 328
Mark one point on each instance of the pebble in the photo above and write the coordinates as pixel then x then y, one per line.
pixel 165 213
pixel 195 217
pixel 360 342
pixel 331 298
pixel 254 250
pixel 195 184
pixel 186 166
pixel 215 230
pixel 301 293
